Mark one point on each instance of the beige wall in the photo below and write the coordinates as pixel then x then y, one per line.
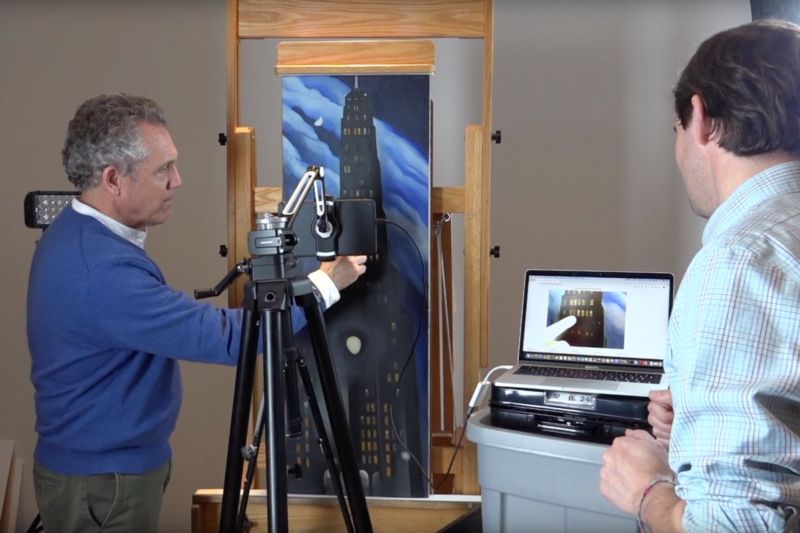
pixel 54 55
pixel 584 177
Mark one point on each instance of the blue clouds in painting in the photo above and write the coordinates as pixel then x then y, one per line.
pixel 305 100
pixel 614 307
pixel 404 168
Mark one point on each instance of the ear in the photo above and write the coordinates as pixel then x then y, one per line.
pixel 110 181
pixel 701 125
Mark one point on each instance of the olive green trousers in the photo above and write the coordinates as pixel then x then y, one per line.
pixel 114 503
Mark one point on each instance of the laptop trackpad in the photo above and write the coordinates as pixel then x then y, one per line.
pixel 570 384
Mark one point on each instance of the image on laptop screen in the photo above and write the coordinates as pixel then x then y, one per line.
pixel 610 318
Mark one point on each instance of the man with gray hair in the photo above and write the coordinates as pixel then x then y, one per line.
pixel 105 329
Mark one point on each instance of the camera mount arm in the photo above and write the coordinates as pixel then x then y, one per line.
pixel 325 224
pixel 314 177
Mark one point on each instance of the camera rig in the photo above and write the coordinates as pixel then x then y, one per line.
pixel 326 228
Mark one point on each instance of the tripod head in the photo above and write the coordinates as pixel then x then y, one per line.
pixel 324 229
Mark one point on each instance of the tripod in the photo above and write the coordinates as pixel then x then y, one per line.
pixel 267 306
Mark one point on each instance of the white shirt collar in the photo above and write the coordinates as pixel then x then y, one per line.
pixel 132 235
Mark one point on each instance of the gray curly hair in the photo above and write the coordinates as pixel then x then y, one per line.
pixel 105 131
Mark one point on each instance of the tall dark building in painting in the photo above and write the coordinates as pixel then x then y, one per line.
pixel 372 337
pixel 587 308
pixel 359 168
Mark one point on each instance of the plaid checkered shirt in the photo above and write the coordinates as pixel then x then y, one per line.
pixel 733 362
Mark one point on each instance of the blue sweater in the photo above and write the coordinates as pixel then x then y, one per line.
pixel 104 331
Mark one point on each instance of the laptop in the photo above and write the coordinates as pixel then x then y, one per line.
pixel 590 332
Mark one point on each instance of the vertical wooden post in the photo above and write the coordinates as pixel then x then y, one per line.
pixel 243 219
pixel 474 221
pixel 232 52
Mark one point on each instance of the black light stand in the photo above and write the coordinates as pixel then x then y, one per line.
pixel 268 297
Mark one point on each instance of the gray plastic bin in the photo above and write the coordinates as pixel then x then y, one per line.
pixel 536 483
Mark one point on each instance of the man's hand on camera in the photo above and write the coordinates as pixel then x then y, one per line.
pixel 344 270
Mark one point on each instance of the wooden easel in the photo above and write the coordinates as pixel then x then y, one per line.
pixel 400 25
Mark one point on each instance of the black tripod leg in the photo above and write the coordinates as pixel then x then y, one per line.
pixel 325 442
pixel 242 396
pixel 277 509
pixel 294 418
pixel 252 462
pixel 333 402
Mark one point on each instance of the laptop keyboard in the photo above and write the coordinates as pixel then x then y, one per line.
pixel 581 373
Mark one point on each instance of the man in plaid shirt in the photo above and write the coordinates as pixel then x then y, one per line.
pixel 725 450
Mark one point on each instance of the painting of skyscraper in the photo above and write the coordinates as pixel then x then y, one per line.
pixel 372 136
pixel 599 317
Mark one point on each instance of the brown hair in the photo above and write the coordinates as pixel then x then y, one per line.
pixel 749 80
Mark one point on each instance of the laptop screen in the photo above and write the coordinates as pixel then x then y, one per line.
pixel 616 318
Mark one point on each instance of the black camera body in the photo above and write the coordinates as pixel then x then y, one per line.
pixel 353 230
pixel 349 227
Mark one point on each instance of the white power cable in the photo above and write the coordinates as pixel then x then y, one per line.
pixel 480 388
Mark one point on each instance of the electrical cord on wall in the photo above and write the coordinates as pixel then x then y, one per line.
pixel 410 356
pixel 477 397
pixel 445 218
